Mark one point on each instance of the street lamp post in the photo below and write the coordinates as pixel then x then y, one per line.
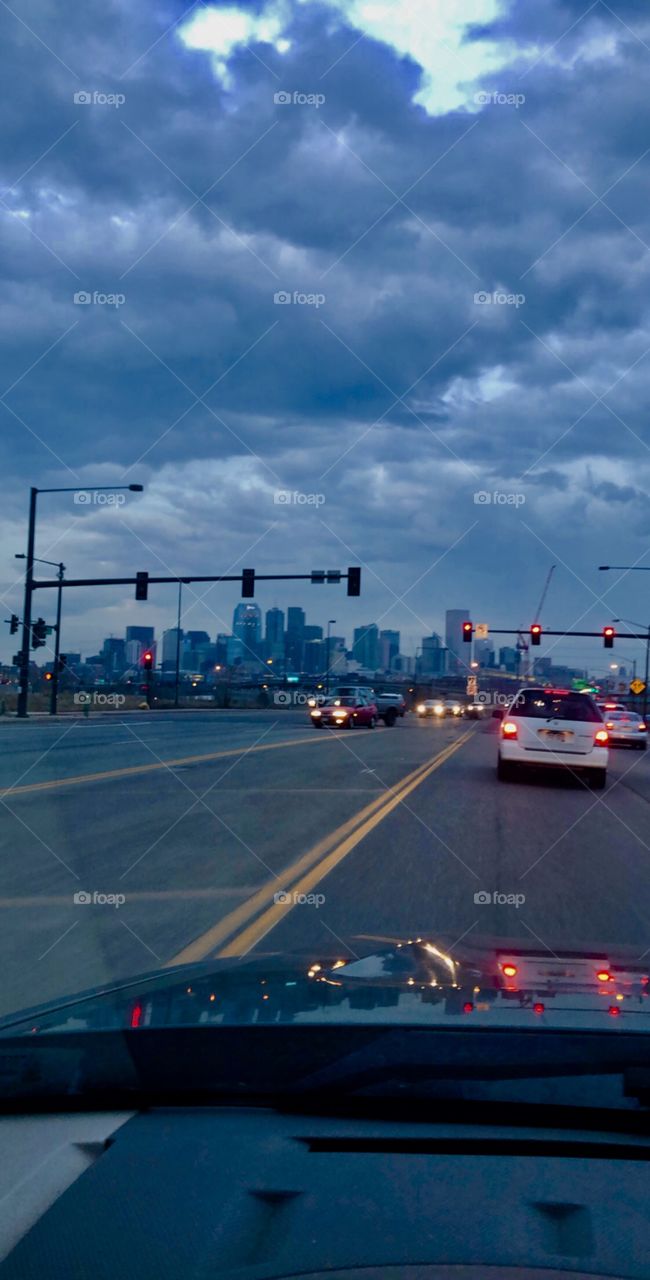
pixel 330 623
pixel 57 626
pixel 23 690
pixel 646 627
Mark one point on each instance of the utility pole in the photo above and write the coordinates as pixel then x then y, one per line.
pixel 57 644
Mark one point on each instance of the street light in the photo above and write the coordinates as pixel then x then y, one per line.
pixel 54 690
pixel 629 622
pixel 23 692
pixel 331 622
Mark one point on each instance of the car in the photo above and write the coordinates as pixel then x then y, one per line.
pixel 385 708
pixel 626 729
pixel 604 707
pixel 345 713
pixel 453 707
pixel 390 698
pixel 430 707
pixel 553 729
pixel 474 710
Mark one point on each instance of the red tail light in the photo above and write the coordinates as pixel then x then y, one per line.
pixel 602 738
pixel 538 1008
pixel 510 970
pixel 603 975
pixel 136 1015
pixel 641 727
pixel 508 729
pixel 468 1007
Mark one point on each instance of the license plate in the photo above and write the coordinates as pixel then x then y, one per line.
pixel 556 735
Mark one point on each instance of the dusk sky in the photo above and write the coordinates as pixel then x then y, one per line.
pixel 458 209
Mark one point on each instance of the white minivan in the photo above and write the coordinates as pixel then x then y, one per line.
pixel 553 728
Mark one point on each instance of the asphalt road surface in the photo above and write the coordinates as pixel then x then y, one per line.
pixel 188 824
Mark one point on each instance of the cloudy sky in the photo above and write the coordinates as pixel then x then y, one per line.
pixel 456 207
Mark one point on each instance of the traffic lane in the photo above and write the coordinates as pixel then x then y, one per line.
pixel 45 751
pixel 580 859
pixel 181 863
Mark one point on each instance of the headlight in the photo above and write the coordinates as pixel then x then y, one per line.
pixel 421 708
pixel 316 713
pixel 439 710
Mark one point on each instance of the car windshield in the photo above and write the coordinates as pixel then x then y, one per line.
pixel 539 705
pixel 325 454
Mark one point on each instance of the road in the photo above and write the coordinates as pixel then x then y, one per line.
pixel 194 820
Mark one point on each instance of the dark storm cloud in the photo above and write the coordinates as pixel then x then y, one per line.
pixel 216 395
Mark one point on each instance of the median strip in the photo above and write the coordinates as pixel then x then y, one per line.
pixel 258 915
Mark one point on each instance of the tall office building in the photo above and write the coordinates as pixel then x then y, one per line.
pixel 113 656
pixel 391 640
pixel 144 634
pixel 169 642
pixel 433 659
pixel 274 634
pixel 459 652
pixel 247 627
pixel 365 646
pixel 295 637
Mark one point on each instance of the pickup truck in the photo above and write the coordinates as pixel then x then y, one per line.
pixel 389 706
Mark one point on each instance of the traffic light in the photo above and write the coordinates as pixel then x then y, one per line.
pixel 48 675
pixel 354 581
pixel 147 660
pixel 468 631
pixel 13 624
pixel 39 632
pixel 141 586
pixel 535 633
pixel 247 584
pixel 608 637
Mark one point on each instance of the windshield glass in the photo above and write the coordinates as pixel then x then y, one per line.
pixel 557 706
pixel 324 534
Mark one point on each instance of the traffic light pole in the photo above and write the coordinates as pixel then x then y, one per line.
pixel 57 644
pixel 23 690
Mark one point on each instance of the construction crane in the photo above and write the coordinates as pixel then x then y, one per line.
pixel 522 642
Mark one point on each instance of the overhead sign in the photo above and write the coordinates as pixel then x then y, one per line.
pixel 481 631
pixel 472 685
pixel 637 686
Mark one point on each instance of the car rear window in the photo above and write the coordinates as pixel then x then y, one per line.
pixel 542 705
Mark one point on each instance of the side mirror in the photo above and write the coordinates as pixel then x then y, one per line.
pixel 497 714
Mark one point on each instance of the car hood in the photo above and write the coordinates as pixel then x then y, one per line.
pixel 418 981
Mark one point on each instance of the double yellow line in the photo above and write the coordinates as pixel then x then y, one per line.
pixel 244 927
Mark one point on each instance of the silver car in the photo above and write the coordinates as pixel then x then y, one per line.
pixel 626 729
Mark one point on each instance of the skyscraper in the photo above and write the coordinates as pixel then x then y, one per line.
pixel 295 637
pixel 274 627
pixel 459 652
pixel 365 646
pixel 247 627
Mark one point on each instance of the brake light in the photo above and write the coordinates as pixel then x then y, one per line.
pixel 604 976
pixel 510 970
pixel 508 729
pixel 468 1007
pixel 614 1011
pixel 136 1015
pixel 610 724
pixel 538 1008
pixel 602 738
pixel 642 727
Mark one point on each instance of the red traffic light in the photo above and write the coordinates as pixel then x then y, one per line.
pixel 467 632
pixel 608 637
pixel 535 633
pixel 147 660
